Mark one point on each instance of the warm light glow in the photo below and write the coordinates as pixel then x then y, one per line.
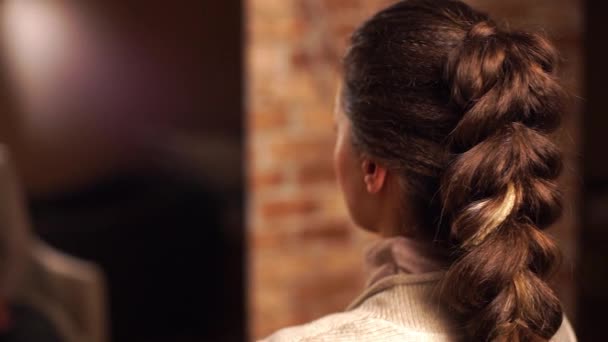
pixel 36 35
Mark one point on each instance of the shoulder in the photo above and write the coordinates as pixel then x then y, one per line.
pixel 362 327
pixel 349 326
pixel 565 333
pixel 397 308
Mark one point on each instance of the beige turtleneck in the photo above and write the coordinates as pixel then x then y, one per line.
pixel 399 304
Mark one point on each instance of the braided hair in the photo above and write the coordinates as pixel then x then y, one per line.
pixel 463 111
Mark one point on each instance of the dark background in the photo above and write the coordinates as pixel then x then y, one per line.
pixel 593 261
pixel 132 155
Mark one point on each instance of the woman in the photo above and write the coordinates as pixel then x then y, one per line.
pixel 443 148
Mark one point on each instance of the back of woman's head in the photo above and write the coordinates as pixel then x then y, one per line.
pixel 462 111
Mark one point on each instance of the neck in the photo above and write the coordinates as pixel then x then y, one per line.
pixel 394 218
pixel 395 223
pixel 404 255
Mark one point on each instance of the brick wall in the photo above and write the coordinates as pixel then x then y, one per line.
pixel 304 255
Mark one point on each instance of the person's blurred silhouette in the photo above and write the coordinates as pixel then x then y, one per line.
pixel 44 294
pixel 18 321
pixel 24 324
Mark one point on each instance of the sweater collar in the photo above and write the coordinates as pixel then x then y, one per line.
pixel 399 279
pixel 400 261
pixel 398 255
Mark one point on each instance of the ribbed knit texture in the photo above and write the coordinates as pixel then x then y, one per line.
pixel 401 307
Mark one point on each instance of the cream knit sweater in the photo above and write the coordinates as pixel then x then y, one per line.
pixel 401 306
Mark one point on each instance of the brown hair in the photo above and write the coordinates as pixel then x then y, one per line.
pixel 463 111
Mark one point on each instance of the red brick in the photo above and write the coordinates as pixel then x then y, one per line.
pixel 283 208
pixel 340 5
pixel 321 119
pixel 331 231
pixel 267 240
pixel 320 172
pixel 264 179
pixel 268 121
pixel 303 150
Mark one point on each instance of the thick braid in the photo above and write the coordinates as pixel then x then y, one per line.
pixel 499 191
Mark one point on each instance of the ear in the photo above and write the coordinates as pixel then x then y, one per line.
pixel 374 175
